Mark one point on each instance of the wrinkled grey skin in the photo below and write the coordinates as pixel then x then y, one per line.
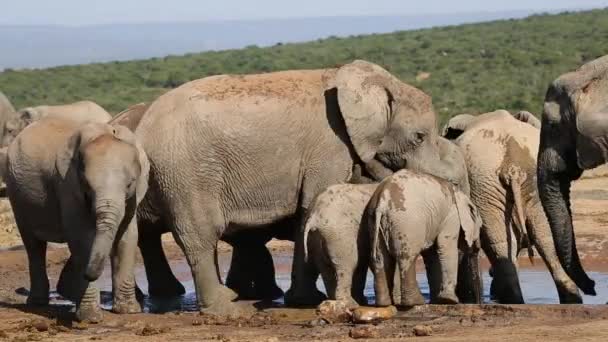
pixel 234 152
pixel 500 152
pixel 81 111
pixel 6 110
pixel 251 274
pixel 411 214
pixel 78 183
pixel 573 138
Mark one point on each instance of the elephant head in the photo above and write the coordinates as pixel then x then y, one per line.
pixel 391 125
pixel 574 137
pixel 17 122
pixel 107 171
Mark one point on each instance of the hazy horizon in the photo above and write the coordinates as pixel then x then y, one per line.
pixel 77 12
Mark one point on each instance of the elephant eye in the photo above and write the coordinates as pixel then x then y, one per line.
pixel 420 137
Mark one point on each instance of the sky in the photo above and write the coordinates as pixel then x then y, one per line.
pixel 90 12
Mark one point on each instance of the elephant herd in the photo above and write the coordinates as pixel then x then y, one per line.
pixel 347 162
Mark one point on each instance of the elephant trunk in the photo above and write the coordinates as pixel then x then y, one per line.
pixel 469 288
pixel 554 191
pixel 109 214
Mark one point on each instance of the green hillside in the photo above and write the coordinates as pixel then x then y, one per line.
pixel 472 68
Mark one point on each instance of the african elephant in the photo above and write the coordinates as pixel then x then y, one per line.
pixel 78 183
pixel 527 117
pixel 251 272
pixel 572 139
pixel 6 109
pixel 81 111
pixel 233 152
pixel 412 213
pixel 500 152
pixel 333 227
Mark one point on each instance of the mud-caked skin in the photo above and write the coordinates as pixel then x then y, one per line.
pixel 500 152
pixel 247 151
pixel 79 183
pixel 79 111
pixel 573 138
pixel 6 111
pixel 411 213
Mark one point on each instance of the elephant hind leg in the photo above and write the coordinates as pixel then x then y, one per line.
pixel 384 271
pixel 161 280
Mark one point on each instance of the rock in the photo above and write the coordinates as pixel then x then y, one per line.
pixel 364 331
pixel 334 311
pixel 197 322
pixel 40 324
pixel 80 326
pixel 317 322
pixel 366 314
pixel 149 330
pixel 423 330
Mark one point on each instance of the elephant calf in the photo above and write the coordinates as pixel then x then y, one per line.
pixel 411 213
pixel 80 184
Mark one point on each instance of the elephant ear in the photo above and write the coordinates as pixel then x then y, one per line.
pixel 590 142
pixel 527 117
pixel 124 134
pixel 365 104
pixel 65 156
pixel 29 115
pixel 470 221
pixel 456 126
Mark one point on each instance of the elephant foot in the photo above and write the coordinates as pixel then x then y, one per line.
pixel 447 298
pixel 89 314
pixel 588 287
pixel 173 289
pixel 36 300
pixel 414 299
pixel 348 302
pixel 361 300
pixel 567 296
pixel 308 299
pixel 271 292
pixel 383 300
pixel 129 306
pixel 231 310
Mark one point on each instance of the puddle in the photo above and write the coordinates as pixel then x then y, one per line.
pixel 537 286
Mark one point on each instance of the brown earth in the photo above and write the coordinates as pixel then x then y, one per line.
pixel 441 323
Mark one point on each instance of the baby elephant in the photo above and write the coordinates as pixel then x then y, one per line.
pixel 410 213
pixel 335 245
pixel 78 183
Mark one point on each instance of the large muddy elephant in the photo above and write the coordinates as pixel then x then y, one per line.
pixel 79 183
pixel 234 152
pixel 500 152
pixel 573 138
pixel 251 273
pixel 81 111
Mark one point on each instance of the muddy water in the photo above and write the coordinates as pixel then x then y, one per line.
pixel 537 286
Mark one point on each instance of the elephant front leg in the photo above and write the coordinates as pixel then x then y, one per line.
pixel 39 281
pixel 88 308
pixel 447 251
pixel 161 280
pixel 123 277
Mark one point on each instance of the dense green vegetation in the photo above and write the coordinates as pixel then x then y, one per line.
pixel 473 68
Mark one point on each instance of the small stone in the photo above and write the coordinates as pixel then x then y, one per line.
pixel 80 325
pixel 364 331
pixel 35 337
pixel 272 339
pixel 318 322
pixel 95 338
pixel 364 314
pixel 149 330
pixel 197 322
pixel 40 325
pixel 423 330
pixel 334 311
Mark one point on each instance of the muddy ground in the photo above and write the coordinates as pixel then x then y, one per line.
pixel 486 322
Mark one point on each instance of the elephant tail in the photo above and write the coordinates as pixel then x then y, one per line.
pixel 307 229
pixel 515 179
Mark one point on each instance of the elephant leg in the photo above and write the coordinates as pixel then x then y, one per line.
pixel 433 272
pixel 447 251
pixel 264 281
pixel 240 274
pixel 303 290
pixel 500 247
pixel 123 277
pixel 197 230
pixel 161 280
pixel 39 281
pixel 384 272
pixel 543 240
pixel 469 287
pixel 344 283
pixel 410 291
pixel 85 294
pixel 71 285
pixel 358 281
